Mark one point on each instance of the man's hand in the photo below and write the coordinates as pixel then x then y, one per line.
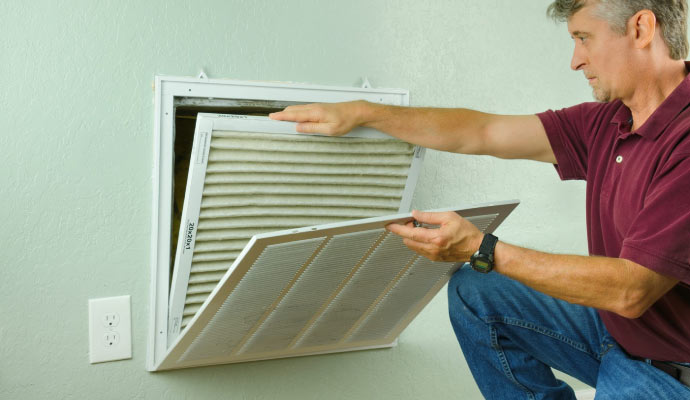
pixel 333 119
pixel 456 239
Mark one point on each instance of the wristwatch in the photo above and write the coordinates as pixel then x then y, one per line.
pixel 483 260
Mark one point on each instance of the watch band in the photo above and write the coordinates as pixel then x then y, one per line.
pixel 483 260
pixel 488 245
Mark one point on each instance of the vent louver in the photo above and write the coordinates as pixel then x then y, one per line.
pixel 323 289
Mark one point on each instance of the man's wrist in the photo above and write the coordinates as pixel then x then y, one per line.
pixel 477 243
pixel 368 113
pixel 483 259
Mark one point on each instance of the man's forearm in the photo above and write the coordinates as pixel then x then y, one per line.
pixel 460 130
pixel 453 130
pixel 612 284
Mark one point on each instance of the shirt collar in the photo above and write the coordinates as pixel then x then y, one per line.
pixel 669 109
pixel 623 118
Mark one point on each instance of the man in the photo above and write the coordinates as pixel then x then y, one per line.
pixel 618 319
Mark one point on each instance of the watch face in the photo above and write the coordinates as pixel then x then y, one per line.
pixel 479 263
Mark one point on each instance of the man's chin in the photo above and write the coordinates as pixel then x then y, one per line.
pixel 601 96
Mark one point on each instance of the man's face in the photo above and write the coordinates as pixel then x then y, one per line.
pixel 600 53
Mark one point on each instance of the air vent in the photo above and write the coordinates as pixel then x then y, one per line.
pixel 275 294
pixel 252 175
pixel 322 289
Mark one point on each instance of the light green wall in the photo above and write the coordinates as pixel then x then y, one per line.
pixel 76 112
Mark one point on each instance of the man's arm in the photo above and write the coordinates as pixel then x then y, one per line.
pixel 454 130
pixel 611 284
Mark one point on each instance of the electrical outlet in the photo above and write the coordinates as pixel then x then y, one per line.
pixel 110 329
pixel 111 320
pixel 111 339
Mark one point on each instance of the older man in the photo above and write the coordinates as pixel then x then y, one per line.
pixel 618 319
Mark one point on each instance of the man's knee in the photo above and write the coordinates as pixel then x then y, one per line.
pixel 483 294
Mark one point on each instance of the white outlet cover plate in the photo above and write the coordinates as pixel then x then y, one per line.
pixel 110 329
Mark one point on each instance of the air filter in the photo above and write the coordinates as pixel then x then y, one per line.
pixel 252 175
pixel 322 289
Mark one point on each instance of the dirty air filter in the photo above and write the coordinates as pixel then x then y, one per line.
pixel 322 289
pixel 252 175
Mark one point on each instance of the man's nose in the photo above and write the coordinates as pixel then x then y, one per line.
pixel 578 60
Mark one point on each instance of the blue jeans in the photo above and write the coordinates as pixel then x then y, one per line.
pixel 512 335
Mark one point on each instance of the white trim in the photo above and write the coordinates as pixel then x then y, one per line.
pixel 166 90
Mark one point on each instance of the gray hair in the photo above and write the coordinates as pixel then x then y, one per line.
pixel 671 15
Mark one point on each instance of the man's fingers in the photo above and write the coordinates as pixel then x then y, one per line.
pixel 302 113
pixel 418 247
pixel 423 249
pixel 280 115
pixel 398 229
pixel 294 116
pixel 316 118
pixel 316 127
pixel 433 218
pixel 409 232
pixel 308 127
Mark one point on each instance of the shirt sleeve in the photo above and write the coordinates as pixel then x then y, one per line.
pixel 659 237
pixel 570 131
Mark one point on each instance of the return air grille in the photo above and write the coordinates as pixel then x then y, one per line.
pixel 254 294
pixel 329 288
pixel 250 183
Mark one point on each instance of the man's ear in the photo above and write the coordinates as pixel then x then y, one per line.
pixel 642 28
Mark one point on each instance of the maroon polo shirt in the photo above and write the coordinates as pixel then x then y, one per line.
pixel 638 205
